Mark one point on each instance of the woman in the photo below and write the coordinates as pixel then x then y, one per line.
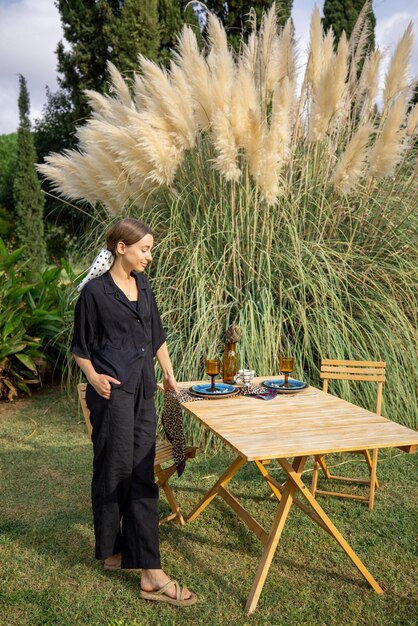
pixel 117 334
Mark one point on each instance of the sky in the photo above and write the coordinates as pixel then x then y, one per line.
pixel 30 31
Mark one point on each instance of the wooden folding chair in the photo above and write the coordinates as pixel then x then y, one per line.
pixel 370 371
pixel 163 455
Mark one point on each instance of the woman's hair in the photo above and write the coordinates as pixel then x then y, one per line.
pixel 127 230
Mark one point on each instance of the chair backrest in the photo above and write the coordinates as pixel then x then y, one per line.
pixel 369 371
pixel 81 389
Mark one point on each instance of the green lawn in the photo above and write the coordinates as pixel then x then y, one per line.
pixel 50 577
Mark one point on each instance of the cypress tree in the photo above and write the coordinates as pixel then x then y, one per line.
pixel 342 15
pixel 89 29
pixel 136 30
pixel 171 23
pixel 27 194
pixel 8 148
pixel 8 154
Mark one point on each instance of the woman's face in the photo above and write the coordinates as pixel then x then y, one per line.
pixel 137 256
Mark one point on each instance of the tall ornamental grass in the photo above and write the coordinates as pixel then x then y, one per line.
pixel 286 209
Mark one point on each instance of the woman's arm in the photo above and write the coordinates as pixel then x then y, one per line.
pixel 163 358
pixel 101 382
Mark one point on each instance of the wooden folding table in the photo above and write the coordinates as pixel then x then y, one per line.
pixel 308 423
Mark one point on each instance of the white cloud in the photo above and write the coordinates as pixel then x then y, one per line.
pixel 388 33
pixel 29 34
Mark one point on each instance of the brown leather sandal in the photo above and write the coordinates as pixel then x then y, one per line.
pixel 111 567
pixel 160 595
pixel 115 565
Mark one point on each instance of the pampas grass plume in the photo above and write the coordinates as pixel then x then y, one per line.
pixel 327 51
pixel 225 147
pixel 254 143
pixel 73 176
pixel 197 74
pixel 388 148
pixel 221 65
pixel 243 100
pixel 286 53
pixel 315 50
pixel 275 149
pixel 249 53
pixel 238 111
pixel 412 124
pixel 359 40
pixel 118 85
pixel 269 50
pixel 100 105
pixel 397 75
pixel 174 108
pixel 369 79
pixel 328 92
pixel 350 167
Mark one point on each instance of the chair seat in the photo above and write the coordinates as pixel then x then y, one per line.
pixel 164 452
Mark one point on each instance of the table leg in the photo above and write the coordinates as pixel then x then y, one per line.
pixel 294 483
pixel 277 489
pixel 212 493
pixel 295 479
pixel 274 536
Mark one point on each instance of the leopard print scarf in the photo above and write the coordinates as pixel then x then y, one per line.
pixel 172 417
pixel 172 420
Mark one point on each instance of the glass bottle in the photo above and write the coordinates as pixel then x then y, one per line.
pixel 230 363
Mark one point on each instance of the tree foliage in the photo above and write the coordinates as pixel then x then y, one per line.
pixel 55 131
pixel 8 147
pixel 87 26
pixel 99 31
pixel 235 14
pixel 95 32
pixel 171 22
pixel 7 171
pixel 27 193
pixel 135 30
pixel 342 15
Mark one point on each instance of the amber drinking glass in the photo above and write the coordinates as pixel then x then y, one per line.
pixel 286 365
pixel 213 369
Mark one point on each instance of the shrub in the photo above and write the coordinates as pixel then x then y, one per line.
pixel 33 310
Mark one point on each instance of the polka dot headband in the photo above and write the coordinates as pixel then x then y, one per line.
pixel 101 264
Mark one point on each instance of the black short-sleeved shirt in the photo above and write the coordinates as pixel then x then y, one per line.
pixel 113 333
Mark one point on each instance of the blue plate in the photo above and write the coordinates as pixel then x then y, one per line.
pixel 203 389
pixel 277 384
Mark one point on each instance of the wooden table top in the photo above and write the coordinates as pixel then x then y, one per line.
pixel 309 422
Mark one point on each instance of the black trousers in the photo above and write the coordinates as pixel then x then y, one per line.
pixel 124 492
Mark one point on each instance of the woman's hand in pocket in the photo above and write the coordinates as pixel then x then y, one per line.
pixel 101 383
